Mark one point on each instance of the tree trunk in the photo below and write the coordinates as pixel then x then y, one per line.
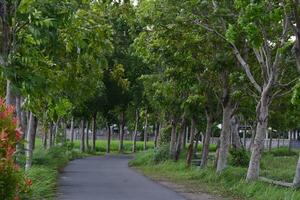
pixel 87 135
pixel 122 124
pixel 45 145
pixel 206 142
pixel 270 141
pixel 156 135
pixel 173 140
pixel 224 138
pixel 296 181
pixel 261 129
pixel 30 138
pixel 146 132
pixel 23 119
pixel 180 138
pixel 72 130
pixel 198 135
pixel 191 145
pixel 234 128
pixel 64 131
pixel 94 132
pixel 51 135
pixel 108 138
pixel 55 132
pixel 34 131
pixel 135 131
pixel 82 143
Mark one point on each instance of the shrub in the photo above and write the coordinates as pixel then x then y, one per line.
pixel 165 136
pixel 143 158
pixel 13 184
pixel 239 157
pixel 161 154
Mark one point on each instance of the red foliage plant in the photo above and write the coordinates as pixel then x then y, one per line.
pixel 12 181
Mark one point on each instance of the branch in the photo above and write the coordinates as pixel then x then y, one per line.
pixel 245 67
pixel 244 64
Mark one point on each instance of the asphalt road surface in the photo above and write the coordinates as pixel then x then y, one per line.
pixel 109 178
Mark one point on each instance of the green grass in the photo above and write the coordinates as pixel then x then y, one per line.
pixel 45 170
pixel 114 145
pixel 231 183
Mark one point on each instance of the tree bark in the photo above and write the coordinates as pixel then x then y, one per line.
pixel 261 129
pixel 94 132
pixel 180 138
pixel 87 135
pixel 156 135
pixel 206 142
pixel 121 136
pixel 108 138
pixel 30 138
pixel 51 135
pixel 234 128
pixel 270 141
pixel 146 132
pixel 135 130
pixel 173 139
pixel 45 140
pixel 224 138
pixel 72 130
pixel 82 143
pixel 191 145
pixel 296 181
pixel 34 131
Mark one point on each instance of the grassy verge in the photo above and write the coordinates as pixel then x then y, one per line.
pixel 45 169
pixel 230 183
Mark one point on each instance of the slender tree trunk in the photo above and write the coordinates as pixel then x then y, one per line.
pixel 296 181
pixel 224 138
pixel 56 132
pixel 198 135
pixel 206 142
pixel 72 130
pixel 234 127
pixel 34 132
pixel 30 138
pixel 146 132
pixel 45 145
pixel 261 129
pixel 82 143
pixel 191 145
pixel 180 138
pixel 51 135
pixel 173 139
pixel 23 119
pixel 87 135
pixel 135 130
pixel 19 111
pixel 122 124
pixel 270 141
pixel 108 138
pixel 94 132
pixel 156 135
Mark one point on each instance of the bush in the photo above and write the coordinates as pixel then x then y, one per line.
pixel 239 157
pixel 13 184
pixel 143 158
pixel 161 154
pixel 165 136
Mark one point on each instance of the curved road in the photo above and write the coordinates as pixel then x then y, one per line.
pixel 109 178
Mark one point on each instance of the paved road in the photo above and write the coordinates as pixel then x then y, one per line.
pixel 109 178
